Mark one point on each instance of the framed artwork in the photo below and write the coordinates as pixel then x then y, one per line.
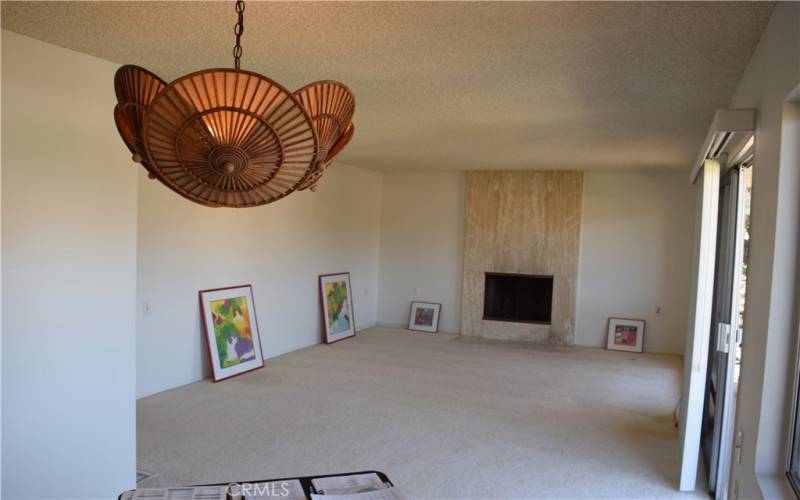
pixel 625 334
pixel 231 327
pixel 424 316
pixel 337 307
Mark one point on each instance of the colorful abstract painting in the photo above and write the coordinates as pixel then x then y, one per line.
pixel 234 345
pixel 337 307
pixel 424 316
pixel 625 335
pixel 232 331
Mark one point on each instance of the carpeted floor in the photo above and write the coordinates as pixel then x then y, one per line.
pixel 444 416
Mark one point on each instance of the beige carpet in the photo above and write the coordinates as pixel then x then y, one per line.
pixel 443 416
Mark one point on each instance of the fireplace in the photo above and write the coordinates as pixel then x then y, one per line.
pixel 520 298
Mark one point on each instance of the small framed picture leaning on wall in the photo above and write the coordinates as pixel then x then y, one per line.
pixel 231 328
pixel 625 334
pixel 337 307
pixel 424 317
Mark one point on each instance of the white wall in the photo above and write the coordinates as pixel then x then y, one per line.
pixel 770 328
pixel 422 236
pixel 280 249
pixel 636 249
pixel 636 256
pixel 68 278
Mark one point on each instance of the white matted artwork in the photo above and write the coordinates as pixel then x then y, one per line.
pixel 337 307
pixel 625 334
pixel 231 327
pixel 424 316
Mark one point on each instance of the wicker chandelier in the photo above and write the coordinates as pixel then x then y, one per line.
pixel 230 137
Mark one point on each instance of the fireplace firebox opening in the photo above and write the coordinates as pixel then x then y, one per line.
pixel 521 298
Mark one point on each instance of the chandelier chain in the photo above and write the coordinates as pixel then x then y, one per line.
pixel 238 30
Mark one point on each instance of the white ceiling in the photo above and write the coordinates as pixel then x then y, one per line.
pixel 454 85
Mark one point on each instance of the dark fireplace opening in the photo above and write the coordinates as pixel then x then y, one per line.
pixel 521 298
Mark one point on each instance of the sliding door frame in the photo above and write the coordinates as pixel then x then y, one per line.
pixel 696 362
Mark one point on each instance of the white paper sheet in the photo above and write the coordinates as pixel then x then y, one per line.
pixel 345 485
pixel 189 493
pixel 390 493
pixel 283 490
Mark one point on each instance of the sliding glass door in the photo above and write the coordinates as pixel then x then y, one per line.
pixel 725 330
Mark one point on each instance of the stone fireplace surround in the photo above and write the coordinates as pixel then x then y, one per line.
pixel 525 222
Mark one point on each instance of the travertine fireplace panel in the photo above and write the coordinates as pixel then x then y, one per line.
pixel 526 223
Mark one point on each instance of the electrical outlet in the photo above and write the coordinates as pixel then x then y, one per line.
pixel 658 310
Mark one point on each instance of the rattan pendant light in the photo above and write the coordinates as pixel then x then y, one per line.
pixel 330 105
pixel 229 137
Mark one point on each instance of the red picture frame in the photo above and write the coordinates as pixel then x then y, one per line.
pixel 218 371
pixel 327 336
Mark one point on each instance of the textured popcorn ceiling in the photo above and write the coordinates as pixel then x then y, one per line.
pixel 457 85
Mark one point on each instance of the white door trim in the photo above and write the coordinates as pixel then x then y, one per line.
pixel 696 357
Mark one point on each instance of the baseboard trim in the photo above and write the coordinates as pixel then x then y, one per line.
pixel 366 326
pixel 390 325
pixel 404 326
